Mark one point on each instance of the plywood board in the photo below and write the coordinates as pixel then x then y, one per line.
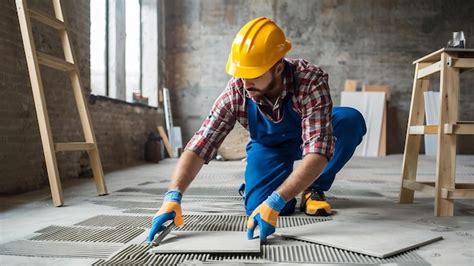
pixel 371 105
pixel 350 85
pixel 432 118
pixel 378 88
pixel 207 242
pixel 383 138
pixel 374 238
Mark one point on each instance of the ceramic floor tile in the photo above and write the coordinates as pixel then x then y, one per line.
pixel 207 242
pixel 371 237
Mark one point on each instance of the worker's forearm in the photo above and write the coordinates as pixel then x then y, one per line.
pixel 303 175
pixel 186 170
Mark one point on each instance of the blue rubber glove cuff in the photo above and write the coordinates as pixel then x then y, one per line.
pixel 173 195
pixel 275 201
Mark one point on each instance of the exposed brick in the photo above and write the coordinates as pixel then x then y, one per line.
pixel 121 129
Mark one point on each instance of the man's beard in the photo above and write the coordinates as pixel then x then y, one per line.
pixel 260 94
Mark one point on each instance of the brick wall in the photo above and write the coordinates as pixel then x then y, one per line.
pixel 121 128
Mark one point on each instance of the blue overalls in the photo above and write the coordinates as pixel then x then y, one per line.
pixel 274 146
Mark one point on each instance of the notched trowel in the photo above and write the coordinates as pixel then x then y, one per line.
pixel 161 235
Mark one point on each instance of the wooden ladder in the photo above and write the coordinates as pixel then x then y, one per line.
pixel 68 65
pixel 449 62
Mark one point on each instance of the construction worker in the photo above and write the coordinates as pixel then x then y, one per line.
pixel 286 106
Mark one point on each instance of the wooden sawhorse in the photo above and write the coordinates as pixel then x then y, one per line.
pixel 449 62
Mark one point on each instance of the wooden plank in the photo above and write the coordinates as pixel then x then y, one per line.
pixel 433 57
pixel 426 71
pixel 371 106
pixel 40 103
pixel 446 157
pixel 350 85
pixel 419 186
pixel 74 146
pixel 46 19
pixel 458 185
pixel 166 141
pixel 81 103
pixel 380 88
pixel 54 62
pixel 459 129
pixel 97 171
pixel 461 62
pixel 452 194
pixel 412 142
pixel 383 134
pixel 423 130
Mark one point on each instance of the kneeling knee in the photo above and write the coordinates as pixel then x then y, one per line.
pixel 355 121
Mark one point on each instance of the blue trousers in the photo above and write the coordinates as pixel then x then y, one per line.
pixel 270 168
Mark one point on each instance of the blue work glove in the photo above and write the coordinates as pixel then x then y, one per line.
pixel 170 210
pixel 265 216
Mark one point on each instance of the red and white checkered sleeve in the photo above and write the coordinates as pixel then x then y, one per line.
pixel 215 127
pixel 316 108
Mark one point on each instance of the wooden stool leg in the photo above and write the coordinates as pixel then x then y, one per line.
pixel 412 142
pixel 446 156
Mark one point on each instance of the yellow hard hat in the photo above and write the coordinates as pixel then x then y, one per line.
pixel 256 48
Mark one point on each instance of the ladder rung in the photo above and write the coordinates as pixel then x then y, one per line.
pixel 54 62
pixel 74 146
pixel 46 19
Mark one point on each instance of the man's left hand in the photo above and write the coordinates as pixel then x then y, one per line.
pixel 265 216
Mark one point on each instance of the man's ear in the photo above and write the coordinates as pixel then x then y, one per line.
pixel 279 68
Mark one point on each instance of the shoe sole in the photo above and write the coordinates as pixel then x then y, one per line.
pixel 319 212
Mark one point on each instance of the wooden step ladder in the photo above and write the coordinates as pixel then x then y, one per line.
pixel 68 65
pixel 449 62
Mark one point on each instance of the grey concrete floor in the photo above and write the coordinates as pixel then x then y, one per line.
pixel 366 187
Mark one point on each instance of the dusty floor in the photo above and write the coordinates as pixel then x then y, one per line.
pixel 111 229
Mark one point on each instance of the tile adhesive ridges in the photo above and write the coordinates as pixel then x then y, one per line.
pixel 81 234
pixel 59 249
pixel 105 236
pixel 196 222
pixel 306 252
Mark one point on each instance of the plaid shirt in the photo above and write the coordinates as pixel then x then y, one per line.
pixel 310 99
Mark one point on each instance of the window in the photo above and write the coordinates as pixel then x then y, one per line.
pixel 133 49
pixel 101 48
pixel 98 48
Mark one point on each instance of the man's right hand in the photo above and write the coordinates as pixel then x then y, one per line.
pixel 170 210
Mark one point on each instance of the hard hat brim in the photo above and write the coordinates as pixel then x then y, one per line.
pixel 246 72
pixel 252 72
